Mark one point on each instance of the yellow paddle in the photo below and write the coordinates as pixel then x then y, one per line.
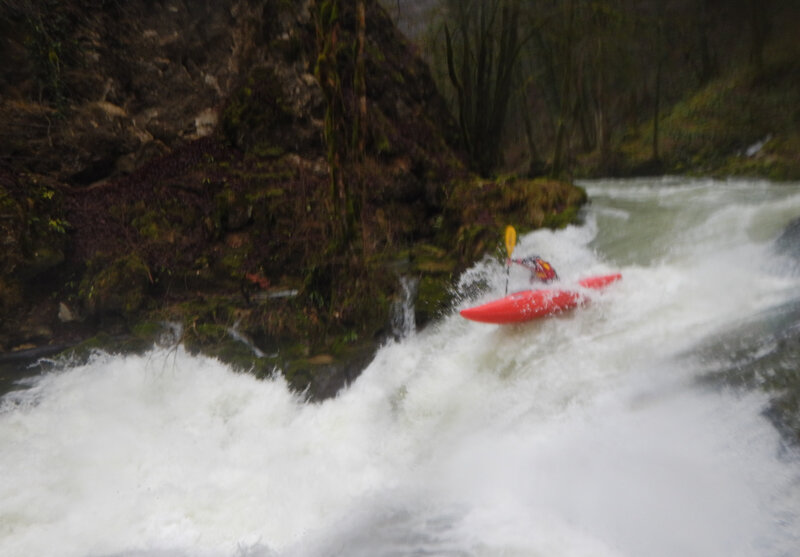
pixel 511 241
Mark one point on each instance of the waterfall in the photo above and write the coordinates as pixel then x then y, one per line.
pixel 403 320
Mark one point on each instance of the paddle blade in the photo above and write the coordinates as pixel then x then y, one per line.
pixel 511 239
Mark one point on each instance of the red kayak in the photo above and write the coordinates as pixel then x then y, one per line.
pixel 532 304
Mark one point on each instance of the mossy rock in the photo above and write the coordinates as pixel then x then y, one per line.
pixel 483 208
pixel 233 210
pixel 11 230
pixel 42 259
pixel 83 351
pixel 430 259
pixel 561 219
pixel 219 310
pixel 10 294
pixel 322 375
pixel 120 286
pixel 141 337
pixel 257 112
pixel 216 341
pixel 150 224
pixel 32 228
pixel 299 373
pixel 473 240
pixel 434 297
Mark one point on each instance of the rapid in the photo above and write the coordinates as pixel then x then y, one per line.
pixel 592 433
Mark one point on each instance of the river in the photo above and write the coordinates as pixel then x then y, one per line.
pixel 593 433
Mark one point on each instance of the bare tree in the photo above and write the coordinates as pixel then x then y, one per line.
pixel 482 52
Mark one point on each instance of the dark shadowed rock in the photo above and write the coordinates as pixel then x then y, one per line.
pixel 173 161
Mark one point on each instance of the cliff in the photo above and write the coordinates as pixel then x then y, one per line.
pixel 260 174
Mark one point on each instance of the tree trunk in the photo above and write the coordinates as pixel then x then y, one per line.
pixel 656 109
pixel 360 85
pixel 707 68
pixel 566 91
pixel 488 48
pixel 758 33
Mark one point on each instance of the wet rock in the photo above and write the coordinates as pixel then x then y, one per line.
pixel 788 242
pixel 92 88
pixel 117 287
pixel 65 314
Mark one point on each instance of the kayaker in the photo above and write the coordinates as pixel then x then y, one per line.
pixel 540 269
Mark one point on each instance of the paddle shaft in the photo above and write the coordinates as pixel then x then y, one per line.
pixel 511 242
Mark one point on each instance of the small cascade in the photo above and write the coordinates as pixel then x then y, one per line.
pixel 403 322
pixel 171 334
pixel 237 335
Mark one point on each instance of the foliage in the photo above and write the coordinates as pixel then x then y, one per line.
pixel 45 25
pixel 711 131
pixel 33 226
pixel 484 207
pixel 593 71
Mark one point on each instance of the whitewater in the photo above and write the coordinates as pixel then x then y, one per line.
pixel 591 433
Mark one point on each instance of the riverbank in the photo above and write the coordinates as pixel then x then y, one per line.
pixel 245 208
pixel 743 123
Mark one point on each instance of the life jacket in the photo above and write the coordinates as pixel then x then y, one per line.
pixel 540 269
pixel 543 270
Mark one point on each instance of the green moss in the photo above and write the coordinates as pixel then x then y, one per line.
pixel 256 112
pixel 141 338
pixel 266 150
pixel 42 259
pixel 212 309
pixel 708 132
pixel 83 351
pixel 269 193
pixel 203 336
pixel 375 53
pixel 214 340
pixel 428 258
pixel 33 229
pixel 147 330
pixel 150 225
pixel 557 220
pixel 231 264
pixel 434 295
pixel 483 208
pixel 298 373
pixel 119 286
pixel 232 209
pixel 383 146
pixel 49 49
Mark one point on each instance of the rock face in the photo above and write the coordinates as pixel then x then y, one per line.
pixel 96 88
pixel 92 90
pixel 199 162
